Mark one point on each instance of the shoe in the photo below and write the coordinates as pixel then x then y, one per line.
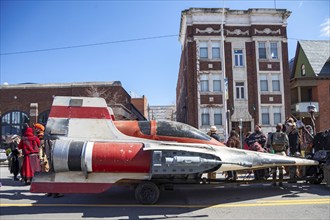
pixel 16 179
pixel 49 194
pixel 58 195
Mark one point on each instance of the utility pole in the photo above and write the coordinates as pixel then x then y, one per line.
pixel 224 78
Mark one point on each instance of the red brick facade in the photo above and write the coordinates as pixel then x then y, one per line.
pixel 190 101
pixel 37 98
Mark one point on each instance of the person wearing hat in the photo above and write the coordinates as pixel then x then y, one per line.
pixel 39 128
pixel 213 133
pixel 293 135
pixel 29 145
pixel 14 162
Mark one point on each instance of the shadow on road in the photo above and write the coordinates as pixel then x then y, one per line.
pixel 119 202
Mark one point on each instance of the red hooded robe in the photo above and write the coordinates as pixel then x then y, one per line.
pixel 30 146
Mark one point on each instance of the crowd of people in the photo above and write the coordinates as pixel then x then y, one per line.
pixel 29 155
pixel 287 140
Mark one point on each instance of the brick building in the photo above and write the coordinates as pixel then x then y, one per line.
pixel 310 82
pixel 253 88
pixel 30 103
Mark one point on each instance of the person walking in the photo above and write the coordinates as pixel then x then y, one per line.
pixel 29 145
pixel 14 165
pixel 279 143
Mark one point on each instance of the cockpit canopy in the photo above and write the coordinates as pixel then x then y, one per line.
pixel 173 129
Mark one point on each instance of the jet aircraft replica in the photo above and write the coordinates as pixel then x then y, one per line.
pixel 90 155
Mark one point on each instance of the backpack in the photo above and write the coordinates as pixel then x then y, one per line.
pixel 278 141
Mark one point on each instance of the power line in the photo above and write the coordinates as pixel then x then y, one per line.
pixel 87 45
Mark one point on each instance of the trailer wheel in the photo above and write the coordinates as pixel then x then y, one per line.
pixel 147 193
pixel 317 178
pixel 315 175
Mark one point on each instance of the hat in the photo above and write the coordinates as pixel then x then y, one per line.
pixel 213 129
pixel 14 136
pixel 39 126
pixel 291 124
pixel 290 120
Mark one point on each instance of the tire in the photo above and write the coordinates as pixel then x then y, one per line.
pixel 318 178
pixel 147 193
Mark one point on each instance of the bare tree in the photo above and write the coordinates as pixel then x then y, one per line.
pixel 111 98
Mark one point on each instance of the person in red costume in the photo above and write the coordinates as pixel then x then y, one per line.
pixel 29 145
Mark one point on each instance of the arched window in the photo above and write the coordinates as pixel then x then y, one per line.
pixel 303 70
pixel 12 123
pixel 43 117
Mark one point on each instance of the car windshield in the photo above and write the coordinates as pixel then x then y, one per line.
pixel 174 129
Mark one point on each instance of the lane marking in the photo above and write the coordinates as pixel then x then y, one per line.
pixel 321 201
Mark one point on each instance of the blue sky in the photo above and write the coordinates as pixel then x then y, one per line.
pixel 145 67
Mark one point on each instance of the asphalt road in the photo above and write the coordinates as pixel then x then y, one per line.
pixel 250 201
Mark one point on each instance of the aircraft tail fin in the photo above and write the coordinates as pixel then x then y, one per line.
pixel 81 117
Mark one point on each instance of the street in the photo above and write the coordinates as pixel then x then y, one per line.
pixel 249 201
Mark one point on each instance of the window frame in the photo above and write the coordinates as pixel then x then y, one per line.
pixel 217 80
pixel 276 80
pixel 277 111
pixel 264 50
pixel 203 45
pixel 263 81
pixel 207 122
pixel 265 111
pixel 202 85
pixel 239 90
pixel 271 48
pixel 238 58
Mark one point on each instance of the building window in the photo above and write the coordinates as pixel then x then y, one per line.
pixel 216 85
pixel 13 122
pixel 43 117
pixel 204 85
pixel 265 116
pixel 262 50
pixel 273 50
pixel 277 115
pixel 303 70
pixel 238 54
pixel 263 83
pixel 276 83
pixel 239 90
pixel 203 50
pixel 205 119
pixel 215 50
pixel 217 116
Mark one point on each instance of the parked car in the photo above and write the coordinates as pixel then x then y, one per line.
pixel 3 155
